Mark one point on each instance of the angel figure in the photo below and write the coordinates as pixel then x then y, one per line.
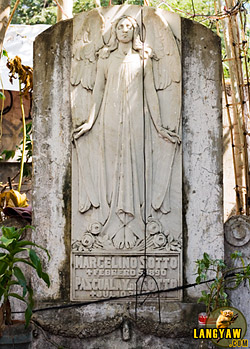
pixel 125 122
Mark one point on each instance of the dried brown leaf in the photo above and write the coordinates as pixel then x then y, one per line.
pixel 23 72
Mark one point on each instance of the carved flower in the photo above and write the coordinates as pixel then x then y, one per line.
pixel 154 227
pixel 160 240
pixel 77 246
pixel 88 240
pixel 174 244
pixel 95 228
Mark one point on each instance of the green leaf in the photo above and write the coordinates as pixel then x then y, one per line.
pixel 206 258
pixel 9 154
pixel 236 254
pixel 21 279
pixel 45 278
pixel 13 283
pixel 3 267
pixel 38 266
pixel 5 53
pixel 4 247
pixel 36 262
pixel 2 256
pixel 28 314
pixel 23 243
pixel 18 250
pixel 221 263
pixel 202 300
pixel 42 248
pixel 30 290
pixel 29 127
pixel 15 295
pixel 202 265
pixel 2 96
pixel 6 242
pixel 11 232
pixel 27 169
pixel 203 276
pixel 22 260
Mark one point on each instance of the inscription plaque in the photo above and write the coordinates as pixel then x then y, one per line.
pixel 126 158
pixel 104 276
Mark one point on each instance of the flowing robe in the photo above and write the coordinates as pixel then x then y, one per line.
pixel 122 152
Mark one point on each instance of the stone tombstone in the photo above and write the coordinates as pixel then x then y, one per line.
pixel 126 167
pixel 125 151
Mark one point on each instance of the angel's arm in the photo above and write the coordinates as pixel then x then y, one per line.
pixel 153 105
pixel 97 98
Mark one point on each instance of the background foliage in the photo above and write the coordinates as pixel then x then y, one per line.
pixel 44 11
pixel 35 12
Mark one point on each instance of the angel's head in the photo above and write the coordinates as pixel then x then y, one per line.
pixel 124 29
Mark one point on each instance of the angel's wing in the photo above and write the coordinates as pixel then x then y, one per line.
pixel 166 56
pixel 166 63
pixel 88 40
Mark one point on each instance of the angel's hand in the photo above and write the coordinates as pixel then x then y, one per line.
pixel 79 131
pixel 170 135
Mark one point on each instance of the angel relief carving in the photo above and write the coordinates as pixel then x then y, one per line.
pixel 122 141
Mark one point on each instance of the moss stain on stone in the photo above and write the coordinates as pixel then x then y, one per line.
pixel 64 272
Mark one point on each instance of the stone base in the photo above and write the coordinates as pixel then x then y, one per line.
pixel 113 341
pixel 114 326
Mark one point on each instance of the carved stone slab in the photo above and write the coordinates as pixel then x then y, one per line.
pixel 126 167
pixel 104 275
pixel 237 231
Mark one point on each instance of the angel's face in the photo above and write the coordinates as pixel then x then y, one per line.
pixel 124 31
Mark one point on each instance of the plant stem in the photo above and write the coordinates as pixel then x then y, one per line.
pixel 8 320
pixel 218 293
pixel 24 139
pixel 234 269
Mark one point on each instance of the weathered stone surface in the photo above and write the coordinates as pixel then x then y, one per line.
pixel 18 223
pixel 95 321
pixel 202 191
pixel 52 153
pixel 106 275
pixel 202 147
pixel 126 163
pixel 237 238
pixel 138 341
pixel 237 231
